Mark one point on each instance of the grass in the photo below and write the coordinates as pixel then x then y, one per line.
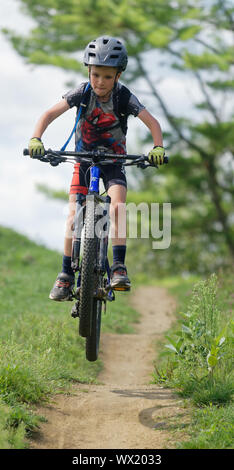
pixel 212 428
pixel 196 360
pixel 41 352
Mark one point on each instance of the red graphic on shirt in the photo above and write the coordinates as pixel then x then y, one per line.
pixel 95 130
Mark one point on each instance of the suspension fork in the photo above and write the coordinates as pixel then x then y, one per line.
pixel 104 235
pixel 78 225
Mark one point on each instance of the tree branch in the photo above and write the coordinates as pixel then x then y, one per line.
pixel 207 158
pixel 202 85
pixel 207 97
pixel 168 115
pixel 227 13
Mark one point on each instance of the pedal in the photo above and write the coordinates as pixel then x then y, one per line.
pixel 110 296
pixel 122 289
pixel 71 297
pixel 77 293
pixel 75 310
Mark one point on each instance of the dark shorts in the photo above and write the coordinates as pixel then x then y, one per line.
pixel 110 174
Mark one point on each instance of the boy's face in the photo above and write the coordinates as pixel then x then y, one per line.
pixel 102 80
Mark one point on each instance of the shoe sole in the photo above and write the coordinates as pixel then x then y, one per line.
pixel 62 299
pixel 121 287
pixel 58 300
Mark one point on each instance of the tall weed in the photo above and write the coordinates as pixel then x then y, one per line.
pixel 200 351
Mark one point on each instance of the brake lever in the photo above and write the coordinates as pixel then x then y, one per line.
pixel 143 165
pixel 54 162
pixel 54 159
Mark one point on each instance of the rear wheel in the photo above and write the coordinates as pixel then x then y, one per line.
pixel 92 341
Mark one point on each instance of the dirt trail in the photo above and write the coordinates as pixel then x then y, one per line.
pixel 124 411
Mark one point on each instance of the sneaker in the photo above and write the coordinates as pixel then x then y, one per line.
pixel 119 277
pixel 63 286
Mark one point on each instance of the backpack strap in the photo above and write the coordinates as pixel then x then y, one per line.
pixel 83 104
pixel 120 102
pixel 85 98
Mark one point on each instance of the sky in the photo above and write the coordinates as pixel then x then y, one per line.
pixel 26 92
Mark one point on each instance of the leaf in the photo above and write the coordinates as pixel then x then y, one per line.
pixel 172 341
pixel 178 333
pixel 222 341
pixel 192 13
pixel 189 32
pixel 219 340
pixel 171 347
pixel 214 350
pixel 160 37
pixel 206 60
pixel 40 57
pixel 187 330
pixel 221 84
pixel 212 360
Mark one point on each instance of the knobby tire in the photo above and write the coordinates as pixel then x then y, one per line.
pixel 92 341
pixel 88 275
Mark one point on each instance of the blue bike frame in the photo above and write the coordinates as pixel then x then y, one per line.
pixel 94 179
pixel 94 190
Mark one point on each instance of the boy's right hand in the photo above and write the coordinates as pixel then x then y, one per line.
pixel 36 147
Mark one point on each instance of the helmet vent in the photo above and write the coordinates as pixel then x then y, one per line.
pixel 92 54
pixel 92 46
pixel 117 48
pixel 105 41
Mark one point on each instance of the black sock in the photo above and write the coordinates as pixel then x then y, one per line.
pixel 67 265
pixel 119 252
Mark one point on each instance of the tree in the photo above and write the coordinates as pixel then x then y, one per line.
pixel 190 39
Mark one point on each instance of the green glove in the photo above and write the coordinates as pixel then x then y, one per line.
pixel 156 155
pixel 36 147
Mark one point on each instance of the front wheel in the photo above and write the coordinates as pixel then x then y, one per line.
pixel 88 274
pixel 92 341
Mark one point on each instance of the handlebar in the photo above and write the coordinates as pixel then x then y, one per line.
pixel 55 157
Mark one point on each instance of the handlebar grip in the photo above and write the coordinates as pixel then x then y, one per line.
pixel 26 152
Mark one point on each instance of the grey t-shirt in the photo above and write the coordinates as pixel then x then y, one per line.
pixel 100 127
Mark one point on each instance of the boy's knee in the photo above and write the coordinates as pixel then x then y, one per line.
pixel 70 224
pixel 118 208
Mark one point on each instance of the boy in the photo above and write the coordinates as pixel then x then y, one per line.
pixel 100 128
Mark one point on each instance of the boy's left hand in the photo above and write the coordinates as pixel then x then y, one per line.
pixel 156 155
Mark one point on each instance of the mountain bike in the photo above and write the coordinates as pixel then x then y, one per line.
pixel 91 226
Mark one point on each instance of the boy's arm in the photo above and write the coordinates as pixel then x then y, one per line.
pixel 49 116
pixel 156 155
pixel 36 146
pixel 153 126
